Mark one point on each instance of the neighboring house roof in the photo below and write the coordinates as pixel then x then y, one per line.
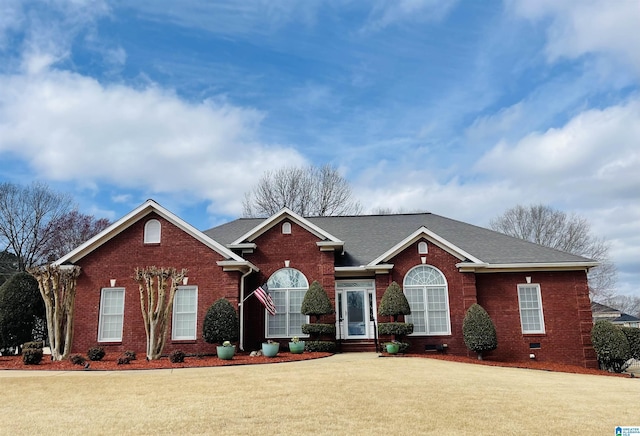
pixel 602 312
pixel 232 260
pixel 372 238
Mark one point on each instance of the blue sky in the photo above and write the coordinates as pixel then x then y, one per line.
pixel 462 108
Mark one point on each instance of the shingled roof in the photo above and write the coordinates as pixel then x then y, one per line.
pixel 366 237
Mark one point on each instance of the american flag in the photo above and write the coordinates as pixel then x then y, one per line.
pixel 263 295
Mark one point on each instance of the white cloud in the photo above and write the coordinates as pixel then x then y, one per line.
pixel 70 127
pixel 579 27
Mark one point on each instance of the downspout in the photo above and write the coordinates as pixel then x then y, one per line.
pixel 241 304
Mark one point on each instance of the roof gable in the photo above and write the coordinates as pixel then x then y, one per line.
pixel 133 217
pixel 274 220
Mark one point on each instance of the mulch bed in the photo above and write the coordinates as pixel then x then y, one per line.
pixel 110 363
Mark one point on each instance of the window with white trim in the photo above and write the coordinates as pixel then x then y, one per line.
pixel 530 302
pixel 423 248
pixel 185 310
pixel 286 228
pixel 111 315
pixel 287 288
pixel 152 232
pixel 427 292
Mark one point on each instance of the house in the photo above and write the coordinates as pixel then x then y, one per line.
pixel 537 297
pixel 602 312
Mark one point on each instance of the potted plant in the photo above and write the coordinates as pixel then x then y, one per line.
pixel 226 351
pixel 392 347
pixel 270 348
pixel 296 346
pixel 221 326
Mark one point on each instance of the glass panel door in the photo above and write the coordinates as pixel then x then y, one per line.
pixel 356 318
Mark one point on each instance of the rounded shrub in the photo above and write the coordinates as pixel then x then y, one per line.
pixel 124 360
pixel 221 323
pixel 131 355
pixel 33 345
pixel 394 302
pixel 478 330
pixel 316 302
pixel 319 329
pixel 177 356
pixel 77 359
pixel 32 356
pixel 95 353
pixel 611 346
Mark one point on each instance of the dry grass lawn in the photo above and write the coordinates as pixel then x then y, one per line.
pixel 343 394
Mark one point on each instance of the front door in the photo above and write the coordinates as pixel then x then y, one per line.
pixel 356 312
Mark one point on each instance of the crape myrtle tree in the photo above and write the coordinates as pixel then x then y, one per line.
pixel 393 304
pixel 478 330
pixel 157 288
pixel 221 323
pixel 57 285
pixel 308 191
pixel 21 310
pixel 570 233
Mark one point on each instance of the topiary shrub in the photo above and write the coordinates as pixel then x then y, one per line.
pixel 633 337
pixel 394 302
pixel 478 330
pixel 32 356
pixel 316 302
pixel 611 345
pixel 221 323
pixel 95 353
pixel 176 356
pixel 77 359
pixel 320 346
pixel 319 329
pixel 395 328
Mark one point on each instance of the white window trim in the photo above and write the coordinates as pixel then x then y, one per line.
pixel 288 326
pixel 540 312
pixel 148 235
pixel 101 315
pixel 426 310
pixel 174 314
pixel 423 247
pixel 286 228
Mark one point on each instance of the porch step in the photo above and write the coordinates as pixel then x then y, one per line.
pixel 357 346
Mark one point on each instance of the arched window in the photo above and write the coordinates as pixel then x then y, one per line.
pixel 152 232
pixel 286 228
pixel 426 289
pixel 422 248
pixel 287 288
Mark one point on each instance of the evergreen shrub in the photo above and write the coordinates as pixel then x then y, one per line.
pixel 32 356
pixel 611 345
pixel 395 328
pixel 321 346
pixel 316 302
pixel 478 330
pixel 221 323
pixel 95 353
pixel 177 356
pixel 394 302
pixel 77 359
pixel 319 329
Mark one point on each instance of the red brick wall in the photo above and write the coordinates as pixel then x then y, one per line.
pixel 461 287
pixel 566 310
pixel 118 258
pixel 273 248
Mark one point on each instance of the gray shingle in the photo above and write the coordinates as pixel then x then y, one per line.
pixel 367 237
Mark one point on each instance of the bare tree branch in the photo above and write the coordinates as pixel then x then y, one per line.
pixel 310 191
pixel 570 233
